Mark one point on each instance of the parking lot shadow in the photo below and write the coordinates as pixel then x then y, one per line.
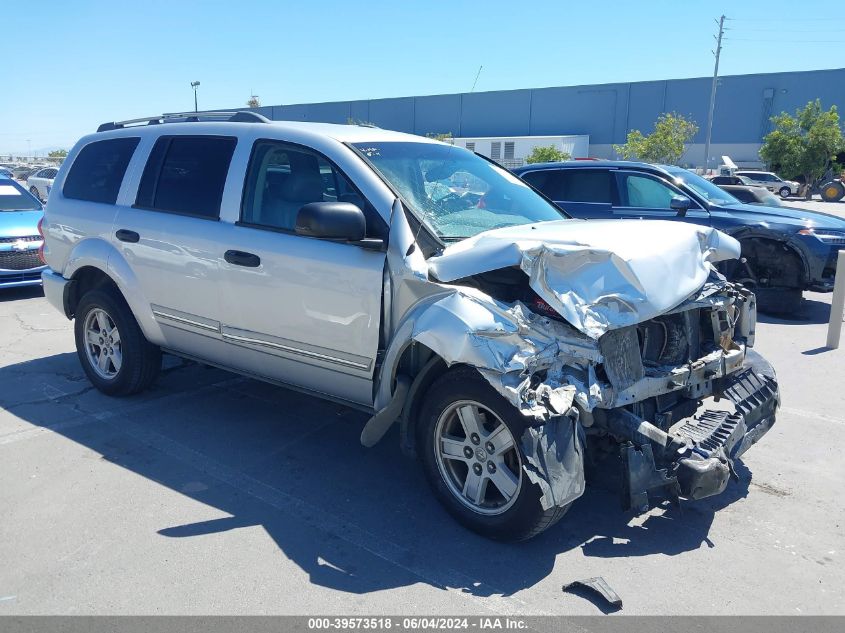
pixel 355 520
pixel 24 292
pixel 811 311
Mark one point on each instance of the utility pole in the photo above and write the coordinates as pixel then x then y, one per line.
pixel 717 52
pixel 195 85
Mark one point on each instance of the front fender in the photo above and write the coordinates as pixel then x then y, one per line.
pixel 100 254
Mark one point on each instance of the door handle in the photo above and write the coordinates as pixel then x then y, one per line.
pixel 240 258
pixel 127 236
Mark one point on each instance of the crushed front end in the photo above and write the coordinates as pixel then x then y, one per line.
pixel 679 396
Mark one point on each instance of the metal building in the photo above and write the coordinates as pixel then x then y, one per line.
pixel 605 112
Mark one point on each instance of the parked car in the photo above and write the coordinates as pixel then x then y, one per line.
pixel 753 195
pixel 785 251
pixel 424 284
pixel 22 172
pixel 771 181
pixel 41 181
pixel 732 180
pixel 20 240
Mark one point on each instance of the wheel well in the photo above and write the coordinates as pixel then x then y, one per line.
pixel 86 279
pixel 423 366
pixel 774 263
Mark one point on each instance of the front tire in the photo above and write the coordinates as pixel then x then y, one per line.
pixel 471 454
pixel 785 192
pixel 115 355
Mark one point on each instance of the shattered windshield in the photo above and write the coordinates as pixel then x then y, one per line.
pixel 454 192
pixel 704 188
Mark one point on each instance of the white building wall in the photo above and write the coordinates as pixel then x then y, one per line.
pixel 576 145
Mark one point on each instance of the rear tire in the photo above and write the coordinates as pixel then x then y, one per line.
pixel 832 191
pixel 115 355
pixel 498 515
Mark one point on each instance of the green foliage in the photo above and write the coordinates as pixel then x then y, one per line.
pixel 440 136
pixel 664 145
pixel 58 153
pixel 804 146
pixel 548 154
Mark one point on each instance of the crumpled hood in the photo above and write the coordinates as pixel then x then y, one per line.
pixel 599 275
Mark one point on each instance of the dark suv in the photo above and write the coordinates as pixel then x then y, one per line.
pixel 785 250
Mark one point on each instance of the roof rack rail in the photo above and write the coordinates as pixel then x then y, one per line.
pixel 241 116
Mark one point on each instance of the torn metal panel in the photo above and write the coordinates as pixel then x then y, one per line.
pixel 554 459
pixel 598 275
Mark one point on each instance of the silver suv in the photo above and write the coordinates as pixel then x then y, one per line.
pixel 424 284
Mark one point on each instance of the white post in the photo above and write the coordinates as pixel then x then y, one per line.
pixel 837 305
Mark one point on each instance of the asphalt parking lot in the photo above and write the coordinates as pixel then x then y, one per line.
pixel 215 494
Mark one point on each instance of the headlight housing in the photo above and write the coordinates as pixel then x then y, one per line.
pixel 828 236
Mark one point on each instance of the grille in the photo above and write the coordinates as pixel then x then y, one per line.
pixel 20 261
pixel 12 240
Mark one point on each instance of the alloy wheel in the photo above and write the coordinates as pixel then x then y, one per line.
pixel 102 344
pixel 478 457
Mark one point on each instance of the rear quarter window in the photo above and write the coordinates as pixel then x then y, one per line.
pixel 98 170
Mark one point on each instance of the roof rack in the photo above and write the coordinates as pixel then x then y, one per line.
pixel 187 117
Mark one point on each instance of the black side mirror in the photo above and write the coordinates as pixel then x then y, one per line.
pixel 681 204
pixel 331 220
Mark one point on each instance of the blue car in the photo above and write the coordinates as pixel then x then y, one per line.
pixel 785 250
pixel 20 213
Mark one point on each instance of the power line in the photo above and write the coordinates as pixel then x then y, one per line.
pixel 791 20
pixel 783 41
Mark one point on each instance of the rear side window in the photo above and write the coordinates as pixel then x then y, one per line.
pixel 186 175
pixel 571 185
pixel 98 170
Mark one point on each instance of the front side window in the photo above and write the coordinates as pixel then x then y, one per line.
pixel 186 175
pixel 642 192
pixel 283 177
pixel 98 170
pixel 456 193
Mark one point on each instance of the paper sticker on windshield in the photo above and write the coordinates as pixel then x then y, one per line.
pixel 9 190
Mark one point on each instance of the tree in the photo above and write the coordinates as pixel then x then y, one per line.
pixel 666 143
pixel 804 146
pixel 446 137
pixel 58 153
pixel 548 154
pixel 253 102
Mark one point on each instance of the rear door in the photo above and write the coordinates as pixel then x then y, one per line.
pixel 583 193
pixel 646 196
pixel 300 310
pixel 170 239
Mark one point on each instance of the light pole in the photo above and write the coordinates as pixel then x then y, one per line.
pixel 195 85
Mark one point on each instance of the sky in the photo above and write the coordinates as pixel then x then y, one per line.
pixel 73 65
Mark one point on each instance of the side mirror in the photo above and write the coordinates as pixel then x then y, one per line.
pixel 331 220
pixel 681 204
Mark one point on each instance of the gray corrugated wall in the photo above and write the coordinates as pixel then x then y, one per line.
pixel 606 112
